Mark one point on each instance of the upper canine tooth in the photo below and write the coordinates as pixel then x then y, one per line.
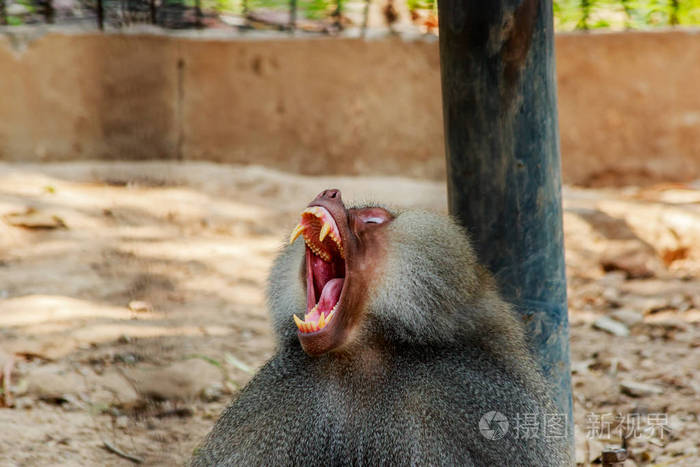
pixel 324 231
pixel 296 232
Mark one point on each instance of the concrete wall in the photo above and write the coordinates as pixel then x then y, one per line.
pixel 629 106
pixel 628 102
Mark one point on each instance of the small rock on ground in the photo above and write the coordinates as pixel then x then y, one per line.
pixel 52 382
pixel 179 381
pixel 635 389
pixel 611 326
pixel 627 317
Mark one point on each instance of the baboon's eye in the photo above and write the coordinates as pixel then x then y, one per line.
pixel 374 215
pixel 368 218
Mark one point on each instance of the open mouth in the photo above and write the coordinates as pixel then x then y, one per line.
pixel 325 268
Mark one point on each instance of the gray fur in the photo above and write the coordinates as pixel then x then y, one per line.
pixel 437 350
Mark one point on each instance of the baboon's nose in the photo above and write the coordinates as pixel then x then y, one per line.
pixel 329 195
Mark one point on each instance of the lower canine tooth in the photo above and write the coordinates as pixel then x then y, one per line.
pixel 298 322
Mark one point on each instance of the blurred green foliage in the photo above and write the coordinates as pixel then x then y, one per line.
pixel 311 9
pixel 421 4
pixel 568 14
pixel 317 9
pixel 624 14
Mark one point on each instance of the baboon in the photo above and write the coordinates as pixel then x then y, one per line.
pixel 404 348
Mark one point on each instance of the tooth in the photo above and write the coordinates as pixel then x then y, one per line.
pixel 298 322
pixel 296 232
pixel 324 231
pixel 330 316
pixel 321 321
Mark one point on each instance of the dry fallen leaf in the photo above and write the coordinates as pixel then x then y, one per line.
pixel 675 254
pixel 31 218
pixel 140 306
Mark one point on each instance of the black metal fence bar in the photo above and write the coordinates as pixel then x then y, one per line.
pixel 198 13
pixel 585 14
pixel 154 17
pixel 46 7
pixel 338 14
pixel 3 15
pixel 675 6
pixel 100 15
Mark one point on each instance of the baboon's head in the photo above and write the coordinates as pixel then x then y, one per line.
pixel 366 271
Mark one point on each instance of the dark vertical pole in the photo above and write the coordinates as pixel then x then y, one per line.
pixel 152 4
pixel 100 15
pixel 338 15
pixel 585 14
pixel 3 13
pixel 675 6
pixel 49 12
pixel 180 108
pixel 503 167
pixel 292 15
pixel 198 13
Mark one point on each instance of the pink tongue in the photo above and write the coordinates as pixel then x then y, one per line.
pixel 330 295
pixel 322 271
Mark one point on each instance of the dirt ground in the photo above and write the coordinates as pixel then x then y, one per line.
pixel 132 307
